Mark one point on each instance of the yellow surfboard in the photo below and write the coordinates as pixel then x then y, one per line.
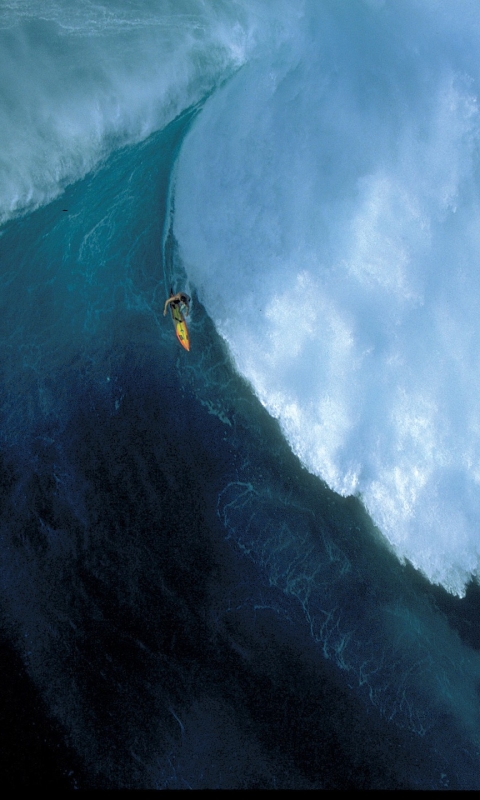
pixel 180 326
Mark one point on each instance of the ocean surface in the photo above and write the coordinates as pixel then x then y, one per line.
pixel 254 564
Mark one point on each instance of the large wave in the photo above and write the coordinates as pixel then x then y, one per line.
pixel 327 206
pixel 172 579
pixel 326 209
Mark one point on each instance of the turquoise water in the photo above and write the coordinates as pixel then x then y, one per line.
pixel 203 554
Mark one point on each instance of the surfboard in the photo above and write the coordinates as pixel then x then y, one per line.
pixel 180 326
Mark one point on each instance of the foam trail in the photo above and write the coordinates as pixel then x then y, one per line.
pixel 327 209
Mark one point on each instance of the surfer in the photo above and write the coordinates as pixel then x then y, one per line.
pixel 178 302
pixel 181 300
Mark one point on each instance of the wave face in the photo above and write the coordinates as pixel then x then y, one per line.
pixel 327 203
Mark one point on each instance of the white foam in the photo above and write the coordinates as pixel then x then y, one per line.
pixel 327 209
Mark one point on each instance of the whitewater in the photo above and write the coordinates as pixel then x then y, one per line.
pixel 327 207
pixel 326 212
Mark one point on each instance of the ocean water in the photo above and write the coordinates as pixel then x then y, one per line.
pixel 253 565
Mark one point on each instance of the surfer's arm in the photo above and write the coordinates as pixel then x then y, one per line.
pixel 167 303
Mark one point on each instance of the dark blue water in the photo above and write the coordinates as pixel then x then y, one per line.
pixel 183 604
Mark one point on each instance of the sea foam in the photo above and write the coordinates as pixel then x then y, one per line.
pixel 327 207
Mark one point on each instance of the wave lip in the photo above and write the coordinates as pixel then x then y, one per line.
pixel 77 83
